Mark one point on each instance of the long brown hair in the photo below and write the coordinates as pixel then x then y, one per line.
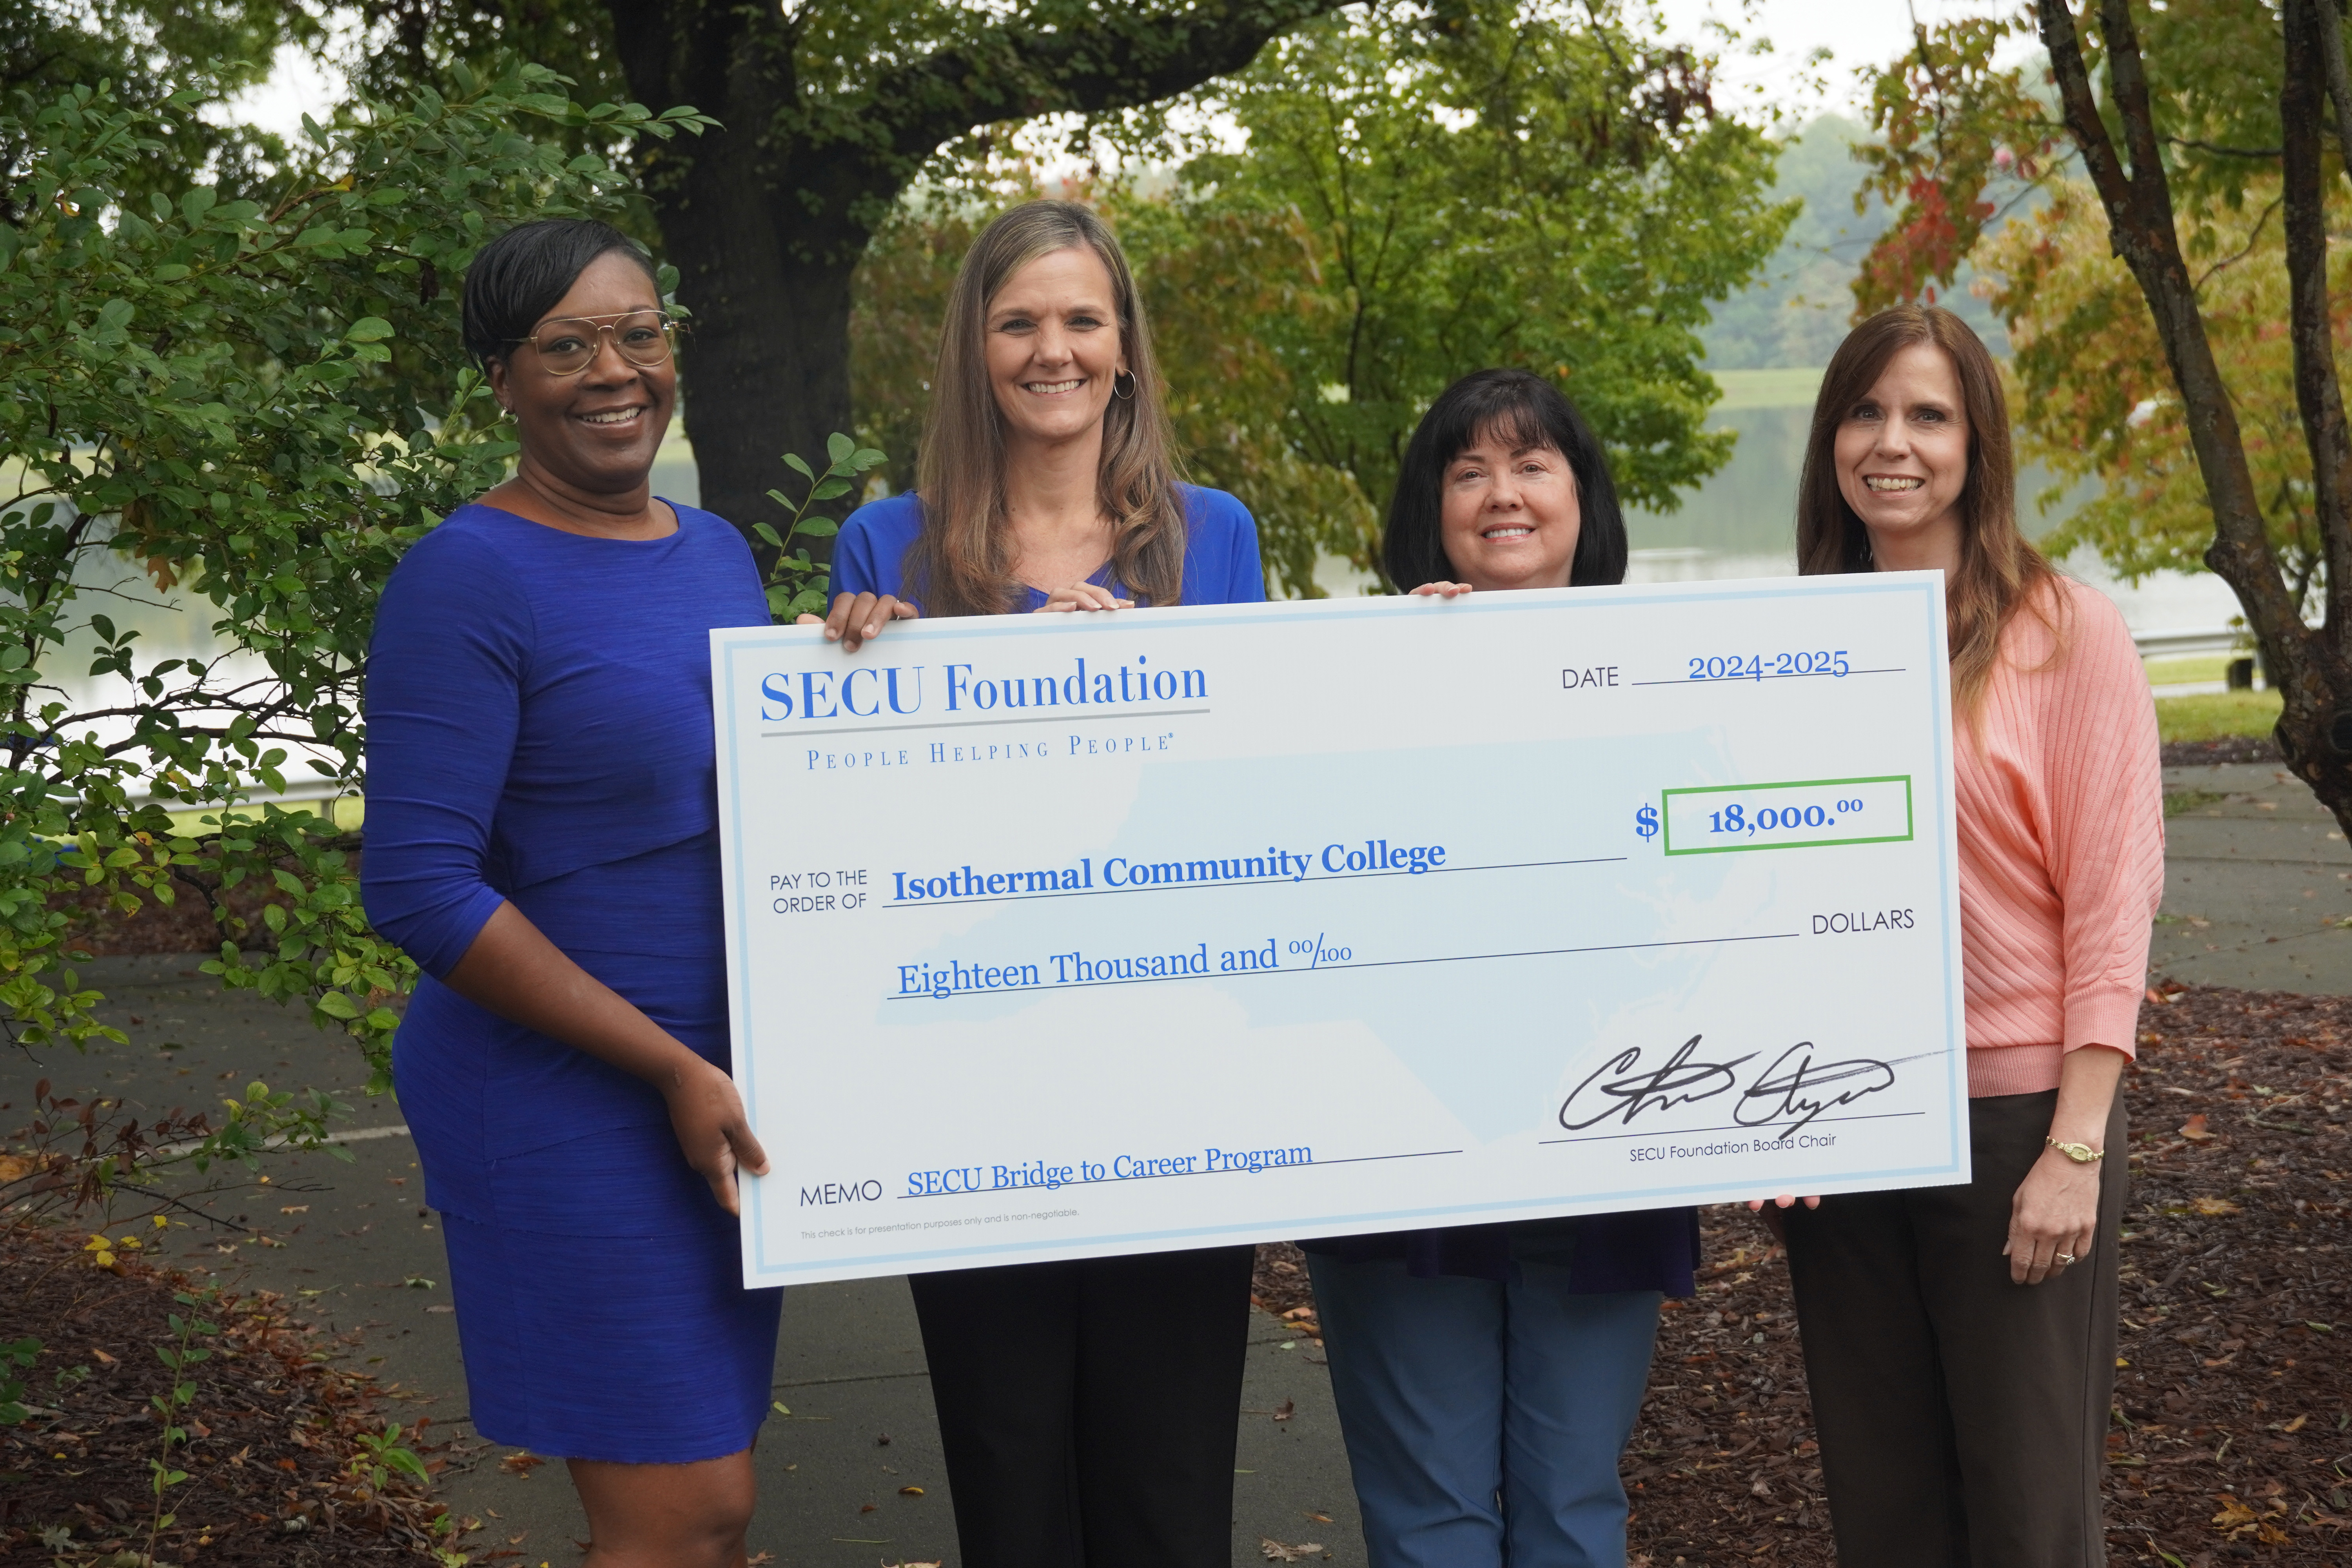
pixel 960 562
pixel 2001 573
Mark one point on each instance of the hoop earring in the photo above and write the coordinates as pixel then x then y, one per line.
pixel 1129 395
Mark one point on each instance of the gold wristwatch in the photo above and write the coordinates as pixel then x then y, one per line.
pixel 2081 1153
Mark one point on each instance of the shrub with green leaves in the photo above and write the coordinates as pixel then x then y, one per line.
pixel 255 404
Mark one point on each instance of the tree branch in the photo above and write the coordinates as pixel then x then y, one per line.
pixel 1122 59
pixel 2140 225
pixel 2318 396
pixel 2254 239
pixel 2221 151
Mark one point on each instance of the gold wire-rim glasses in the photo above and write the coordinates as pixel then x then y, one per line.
pixel 569 345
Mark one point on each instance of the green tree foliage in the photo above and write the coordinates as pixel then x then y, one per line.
pixel 146 52
pixel 203 395
pixel 1494 182
pixel 1214 282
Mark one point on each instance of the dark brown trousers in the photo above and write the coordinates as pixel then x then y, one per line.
pixel 1088 1409
pixel 1963 1419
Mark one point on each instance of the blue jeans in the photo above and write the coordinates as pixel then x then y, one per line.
pixel 1484 1421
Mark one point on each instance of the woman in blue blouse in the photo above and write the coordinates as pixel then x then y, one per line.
pixel 1489 1376
pixel 1088 1408
pixel 542 839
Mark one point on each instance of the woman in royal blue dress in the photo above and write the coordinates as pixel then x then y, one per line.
pixel 1487 1376
pixel 542 839
pixel 1088 1408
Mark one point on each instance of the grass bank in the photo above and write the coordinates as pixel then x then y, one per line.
pixel 2218 715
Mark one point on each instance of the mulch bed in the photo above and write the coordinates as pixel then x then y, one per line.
pixel 2234 1434
pixel 273 1457
pixel 2228 749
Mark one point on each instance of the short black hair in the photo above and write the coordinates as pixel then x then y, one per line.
pixel 1528 411
pixel 517 278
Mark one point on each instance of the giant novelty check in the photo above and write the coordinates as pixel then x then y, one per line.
pixel 1059 936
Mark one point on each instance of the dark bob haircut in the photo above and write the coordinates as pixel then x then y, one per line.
pixel 1525 411
pixel 517 278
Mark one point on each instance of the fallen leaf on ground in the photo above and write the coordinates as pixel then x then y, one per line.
pixel 1286 1410
pixel 1319 1518
pixel 1275 1552
pixel 2216 1206
pixel 520 1464
pixel 867 1507
pixel 2194 1128
pixel 910 1491
pixel 2296 1425
pixel 2234 1513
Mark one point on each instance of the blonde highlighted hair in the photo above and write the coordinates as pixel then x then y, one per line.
pixel 961 561
pixel 1999 573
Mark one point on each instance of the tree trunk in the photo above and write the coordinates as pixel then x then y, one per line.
pixel 2315 727
pixel 764 253
pixel 766 362
pixel 2315 732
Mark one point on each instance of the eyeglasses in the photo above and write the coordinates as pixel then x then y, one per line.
pixel 571 346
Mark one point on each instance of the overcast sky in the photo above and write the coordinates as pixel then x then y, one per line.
pixel 1857 33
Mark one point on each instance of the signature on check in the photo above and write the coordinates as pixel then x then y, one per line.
pixel 1792 1087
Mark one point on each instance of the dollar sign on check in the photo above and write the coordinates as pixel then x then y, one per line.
pixel 1645 822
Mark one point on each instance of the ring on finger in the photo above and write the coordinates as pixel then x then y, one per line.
pixel 2062 1257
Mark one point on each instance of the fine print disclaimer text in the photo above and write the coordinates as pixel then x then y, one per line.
pixel 848 1230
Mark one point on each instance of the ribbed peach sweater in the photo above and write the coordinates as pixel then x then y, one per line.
pixel 2061 808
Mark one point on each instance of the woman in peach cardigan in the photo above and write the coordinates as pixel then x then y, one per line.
pixel 1960 1342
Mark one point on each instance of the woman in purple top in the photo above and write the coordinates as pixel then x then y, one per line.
pixel 1487 1376
pixel 1088 1408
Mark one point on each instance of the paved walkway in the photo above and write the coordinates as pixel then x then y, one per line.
pixel 2258 884
pixel 2259 878
pixel 354 1247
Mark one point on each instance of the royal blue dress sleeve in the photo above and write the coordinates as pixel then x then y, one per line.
pixel 869 553
pixel 1221 559
pixel 443 702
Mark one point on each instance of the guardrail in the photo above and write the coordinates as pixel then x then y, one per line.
pixel 2167 645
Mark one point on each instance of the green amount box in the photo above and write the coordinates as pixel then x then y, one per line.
pixel 1667 816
